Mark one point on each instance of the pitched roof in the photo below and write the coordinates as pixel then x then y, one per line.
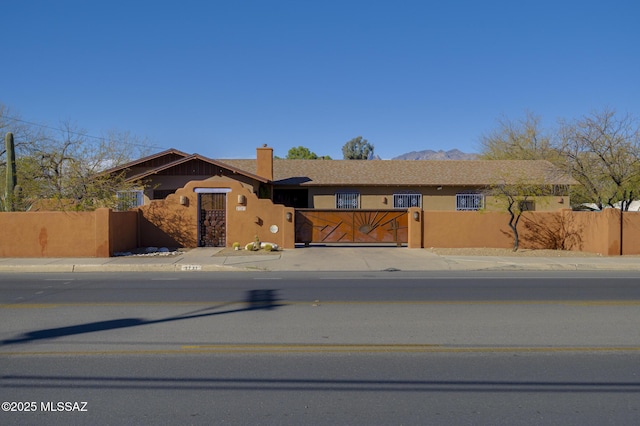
pixel 151 161
pixel 170 158
pixel 409 172
pixel 197 158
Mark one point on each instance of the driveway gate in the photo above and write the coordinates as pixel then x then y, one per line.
pixel 351 226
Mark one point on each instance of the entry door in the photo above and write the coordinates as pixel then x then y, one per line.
pixel 213 223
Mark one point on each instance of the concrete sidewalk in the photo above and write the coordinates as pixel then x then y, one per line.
pixel 319 259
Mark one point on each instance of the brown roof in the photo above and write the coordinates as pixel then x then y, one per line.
pixel 408 172
pixel 151 161
pixel 196 157
pixel 171 158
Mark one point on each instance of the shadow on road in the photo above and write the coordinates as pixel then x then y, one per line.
pixel 313 384
pixel 254 300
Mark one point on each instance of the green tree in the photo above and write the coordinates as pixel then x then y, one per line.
pixel 357 149
pixel 301 153
pixel 522 139
pixel 518 196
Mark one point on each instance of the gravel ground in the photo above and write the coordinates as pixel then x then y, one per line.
pixel 480 251
pixel 477 251
pixel 233 252
pixel 502 252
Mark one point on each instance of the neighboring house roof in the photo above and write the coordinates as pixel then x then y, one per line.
pixel 409 172
pixel 633 207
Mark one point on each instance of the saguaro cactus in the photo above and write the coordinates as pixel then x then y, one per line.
pixel 12 179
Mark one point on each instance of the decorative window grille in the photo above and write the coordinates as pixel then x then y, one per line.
pixel 129 199
pixel 560 190
pixel 527 205
pixel 347 200
pixel 404 201
pixel 469 201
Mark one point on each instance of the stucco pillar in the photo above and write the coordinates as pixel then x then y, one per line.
pixel 288 228
pixel 614 234
pixel 415 226
pixel 102 239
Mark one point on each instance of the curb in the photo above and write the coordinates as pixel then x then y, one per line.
pixel 118 268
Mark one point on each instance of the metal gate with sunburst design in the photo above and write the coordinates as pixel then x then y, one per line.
pixel 351 226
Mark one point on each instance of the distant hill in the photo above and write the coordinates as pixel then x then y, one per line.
pixel 428 154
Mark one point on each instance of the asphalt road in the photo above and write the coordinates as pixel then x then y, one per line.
pixel 292 348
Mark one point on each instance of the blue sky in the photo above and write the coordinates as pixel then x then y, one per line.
pixel 222 77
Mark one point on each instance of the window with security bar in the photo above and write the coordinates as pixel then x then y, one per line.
pixel 347 200
pixel 129 199
pixel 469 202
pixel 404 201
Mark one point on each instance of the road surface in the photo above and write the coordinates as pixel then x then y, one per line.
pixel 331 348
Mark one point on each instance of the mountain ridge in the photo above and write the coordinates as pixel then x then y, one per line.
pixel 429 154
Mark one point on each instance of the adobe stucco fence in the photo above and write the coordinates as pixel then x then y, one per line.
pixel 605 232
pixel 173 222
pixel 67 234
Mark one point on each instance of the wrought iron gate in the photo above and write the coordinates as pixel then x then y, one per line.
pixel 213 224
pixel 351 226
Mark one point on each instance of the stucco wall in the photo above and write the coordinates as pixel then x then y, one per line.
pixel 66 234
pixel 174 221
pixel 466 229
pixel 631 235
pixel 601 231
pixel 595 232
pixel 175 224
pixel 123 231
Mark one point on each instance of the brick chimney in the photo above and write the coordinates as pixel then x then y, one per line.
pixel 264 162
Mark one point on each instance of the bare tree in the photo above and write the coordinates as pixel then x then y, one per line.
pixel 602 152
pixel 69 166
pixel 65 164
pixel 27 136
